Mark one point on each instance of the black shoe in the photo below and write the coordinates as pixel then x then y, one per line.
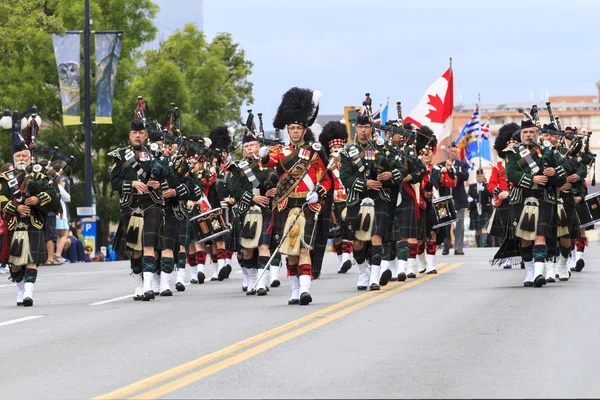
pixel 361 288
pixel 385 277
pixel 374 286
pixel 214 279
pixel 432 272
pixel 250 292
pixel 579 265
pixel 345 267
pixel 244 288
pixel 411 275
pixel 27 302
pixel 507 266
pixel 550 280
pixel 459 253
pixel 261 292
pixel 180 287
pixel 166 293
pixel 539 281
pixel 193 281
pixel 401 277
pixel 229 269
pixel 267 289
pixel 528 284
pixel 19 303
pixel 445 252
pixel 156 293
pixel 305 299
pixel 222 274
pixel 149 295
pixel 293 302
pixel 137 297
pixel 201 277
pixel 275 283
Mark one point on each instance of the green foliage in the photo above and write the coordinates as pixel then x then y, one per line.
pixel 207 81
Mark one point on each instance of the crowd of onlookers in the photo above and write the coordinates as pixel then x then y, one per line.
pixel 64 237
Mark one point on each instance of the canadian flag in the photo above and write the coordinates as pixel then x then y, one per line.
pixel 436 106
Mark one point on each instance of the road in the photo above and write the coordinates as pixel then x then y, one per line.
pixel 472 331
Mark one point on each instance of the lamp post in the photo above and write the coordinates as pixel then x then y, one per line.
pixel 17 122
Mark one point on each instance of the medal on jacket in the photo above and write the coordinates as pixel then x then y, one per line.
pixel 144 156
pixel 304 154
pixel 369 155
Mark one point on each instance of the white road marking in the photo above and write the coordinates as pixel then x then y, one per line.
pixel 14 321
pixel 129 296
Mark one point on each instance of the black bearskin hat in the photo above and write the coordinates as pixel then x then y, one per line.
pixel 334 132
pixel 309 136
pixel 220 139
pixel 426 138
pixel 505 133
pixel 298 106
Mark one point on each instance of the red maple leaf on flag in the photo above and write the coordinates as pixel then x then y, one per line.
pixel 437 113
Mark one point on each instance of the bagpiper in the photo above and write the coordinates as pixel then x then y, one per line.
pixel 253 188
pixel 368 172
pixel 302 205
pixel 333 139
pixel 26 195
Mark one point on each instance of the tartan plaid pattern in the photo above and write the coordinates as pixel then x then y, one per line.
pixel 338 207
pixel 573 222
pixel 477 221
pixel 171 230
pixel 184 232
pixel 281 218
pixel 37 246
pixel 380 224
pixel 233 242
pixel 153 233
pixel 500 222
pixel 546 218
pixel 405 220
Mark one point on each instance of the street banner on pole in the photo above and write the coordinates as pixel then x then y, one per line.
pixel 108 48
pixel 67 52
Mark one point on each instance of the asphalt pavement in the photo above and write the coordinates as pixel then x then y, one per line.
pixel 472 331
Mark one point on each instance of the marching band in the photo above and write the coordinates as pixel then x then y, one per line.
pixel 382 202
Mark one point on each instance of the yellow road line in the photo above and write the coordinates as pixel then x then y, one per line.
pixel 235 348
pixel 261 348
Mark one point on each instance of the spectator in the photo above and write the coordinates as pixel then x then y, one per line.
pixel 88 254
pixel 99 257
pixel 50 234
pixel 112 254
pixel 74 247
pixel 62 220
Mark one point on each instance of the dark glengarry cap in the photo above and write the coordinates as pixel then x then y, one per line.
pixel 249 138
pixel 527 123
pixel 137 126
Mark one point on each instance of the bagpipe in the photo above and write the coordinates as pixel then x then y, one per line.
pixel 250 128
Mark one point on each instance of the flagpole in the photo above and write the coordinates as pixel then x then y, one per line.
pixel 479 138
pixel 452 115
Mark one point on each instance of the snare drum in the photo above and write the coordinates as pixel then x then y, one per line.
pixel 210 224
pixel 590 214
pixel 445 213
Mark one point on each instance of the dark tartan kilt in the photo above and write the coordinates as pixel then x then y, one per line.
pixel 500 222
pixel 184 232
pixel 380 224
pixel 265 236
pixel 281 217
pixel 405 220
pixel 477 221
pixel 422 231
pixel 153 233
pixel 546 219
pixel 233 243
pixel 573 222
pixel 37 245
pixel 171 230
pixel 337 230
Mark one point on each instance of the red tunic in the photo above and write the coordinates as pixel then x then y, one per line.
pixel 339 192
pixel 498 178
pixel 315 171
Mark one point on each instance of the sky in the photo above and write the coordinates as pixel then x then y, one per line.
pixel 506 51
